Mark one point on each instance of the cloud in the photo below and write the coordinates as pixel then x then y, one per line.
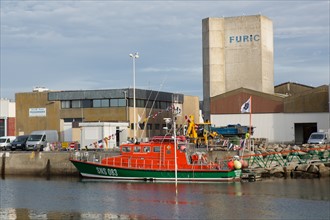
pixel 85 44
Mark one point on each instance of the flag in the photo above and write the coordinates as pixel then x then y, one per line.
pixel 100 143
pixel 230 145
pixel 106 141
pixel 242 144
pixel 246 107
pixel 138 123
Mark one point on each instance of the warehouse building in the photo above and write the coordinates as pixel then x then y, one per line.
pixel 7 118
pixel 66 111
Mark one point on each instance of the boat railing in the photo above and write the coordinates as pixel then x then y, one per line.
pixel 110 159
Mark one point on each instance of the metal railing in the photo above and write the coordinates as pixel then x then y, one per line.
pixel 110 159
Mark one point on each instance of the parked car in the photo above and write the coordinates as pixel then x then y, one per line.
pixel 19 142
pixel 5 142
pixel 318 138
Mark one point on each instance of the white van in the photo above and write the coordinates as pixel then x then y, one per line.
pixel 37 140
pixel 318 138
pixel 5 142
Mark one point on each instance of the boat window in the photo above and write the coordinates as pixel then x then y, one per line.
pixel 168 149
pixel 126 149
pixel 137 149
pixel 146 149
pixel 157 149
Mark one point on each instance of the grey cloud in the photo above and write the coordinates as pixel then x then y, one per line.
pixel 85 45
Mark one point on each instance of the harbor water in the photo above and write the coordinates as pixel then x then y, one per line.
pixel 76 198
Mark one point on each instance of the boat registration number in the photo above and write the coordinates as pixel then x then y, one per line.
pixel 107 172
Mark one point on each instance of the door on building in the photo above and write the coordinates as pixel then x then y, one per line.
pixel 302 131
pixel 2 127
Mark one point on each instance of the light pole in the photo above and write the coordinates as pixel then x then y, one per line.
pixel 134 56
pixel 125 94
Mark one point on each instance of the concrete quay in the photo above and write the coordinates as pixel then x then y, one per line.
pixel 41 164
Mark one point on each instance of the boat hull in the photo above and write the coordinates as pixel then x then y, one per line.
pixel 96 170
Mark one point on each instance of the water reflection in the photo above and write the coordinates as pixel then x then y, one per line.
pixel 13 214
pixel 36 198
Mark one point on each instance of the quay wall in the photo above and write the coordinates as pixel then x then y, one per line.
pixel 37 164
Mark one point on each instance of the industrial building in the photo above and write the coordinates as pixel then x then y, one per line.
pixel 7 118
pixel 238 63
pixel 67 111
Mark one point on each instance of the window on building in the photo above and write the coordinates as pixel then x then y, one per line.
pixel 100 103
pixel 65 104
pixel 121 102
pixel 149 126
pixel 157 126
pixel 72 119
pixel 114 103
pixel 163 105
pixel 76 104
pixel 96 103
pixel 105 103
pixel 149 104
pixel 141 125
pixel 87 103
pixel 140 103
pixel 157 105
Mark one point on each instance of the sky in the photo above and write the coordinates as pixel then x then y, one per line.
pixel 83 45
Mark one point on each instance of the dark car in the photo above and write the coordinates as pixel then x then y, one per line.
pixel 19 142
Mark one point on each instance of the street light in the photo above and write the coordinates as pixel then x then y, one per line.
pixel 134 56
pixel 125 94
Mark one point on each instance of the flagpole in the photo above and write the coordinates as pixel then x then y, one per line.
pixel 250 127
pixel 250 130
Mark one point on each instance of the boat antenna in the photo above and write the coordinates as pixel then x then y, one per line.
pixel 153 103
pixel 145 107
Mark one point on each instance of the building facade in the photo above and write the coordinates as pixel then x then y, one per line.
pixel 288 116
pixel 7 118
pixel 65 110
pixel 237 52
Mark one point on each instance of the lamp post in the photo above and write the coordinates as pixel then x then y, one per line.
pixel 134 56
pixel 125 94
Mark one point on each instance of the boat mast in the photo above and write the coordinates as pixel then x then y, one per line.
pixel 175 148
pixel 176 111
pixel 134 56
